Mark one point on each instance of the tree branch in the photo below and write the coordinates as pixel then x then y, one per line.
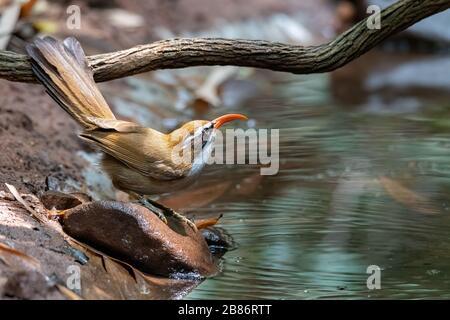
pixel 180 53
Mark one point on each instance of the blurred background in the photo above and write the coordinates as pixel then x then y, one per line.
pixel 364 151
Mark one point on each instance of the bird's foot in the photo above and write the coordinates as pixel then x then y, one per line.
pixel 182 218
pixel 55 213
pixel 162 211
pixel 146 203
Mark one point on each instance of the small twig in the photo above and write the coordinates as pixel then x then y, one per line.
pixel 19 198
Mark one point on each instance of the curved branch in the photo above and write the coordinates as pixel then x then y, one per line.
pixel 180 53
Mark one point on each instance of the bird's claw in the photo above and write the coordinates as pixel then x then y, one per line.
pixel 182 218
pixel 162 211
pixel 161 216
pixel 192 224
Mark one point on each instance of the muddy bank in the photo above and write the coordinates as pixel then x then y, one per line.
pixel 38 140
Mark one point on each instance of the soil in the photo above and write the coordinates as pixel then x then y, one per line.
pixel 38 140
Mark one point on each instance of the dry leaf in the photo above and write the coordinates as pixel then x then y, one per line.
pixel 19 198
pixel 205 223
pixel 5 249
pixel 115 279
pixel 408 197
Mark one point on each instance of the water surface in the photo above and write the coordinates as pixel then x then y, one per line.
pixel 359 184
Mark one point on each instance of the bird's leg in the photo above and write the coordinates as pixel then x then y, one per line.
pixel 162 211
pixel 155 209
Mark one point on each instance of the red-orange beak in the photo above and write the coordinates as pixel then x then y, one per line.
pixel 218 122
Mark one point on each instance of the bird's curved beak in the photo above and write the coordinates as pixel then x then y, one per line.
pixel 218 122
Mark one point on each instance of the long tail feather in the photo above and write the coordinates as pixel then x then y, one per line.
pixel 62 68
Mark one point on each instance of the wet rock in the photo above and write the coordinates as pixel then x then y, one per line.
pixel 218 240
pixel 133 234
pixel 62 201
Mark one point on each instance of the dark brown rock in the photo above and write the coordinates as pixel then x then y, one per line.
pixel 218 240
pixel 133 234
pixel 62 201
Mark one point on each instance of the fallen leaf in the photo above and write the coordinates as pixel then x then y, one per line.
pixel 408 197
pixel 205 223
pixel 115 279
pixel 5 249
pixel 19 198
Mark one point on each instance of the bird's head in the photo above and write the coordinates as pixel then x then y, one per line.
pixel 193 141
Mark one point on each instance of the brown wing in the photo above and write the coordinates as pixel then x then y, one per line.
pixel 133 149
pixel 116 125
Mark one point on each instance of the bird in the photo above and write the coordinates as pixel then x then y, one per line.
pixel 140 161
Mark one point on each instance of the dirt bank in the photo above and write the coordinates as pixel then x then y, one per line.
pixel 38 140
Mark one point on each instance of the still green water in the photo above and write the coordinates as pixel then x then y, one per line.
pixel 338 203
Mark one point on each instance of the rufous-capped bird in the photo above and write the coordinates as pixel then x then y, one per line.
pixel 139 160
